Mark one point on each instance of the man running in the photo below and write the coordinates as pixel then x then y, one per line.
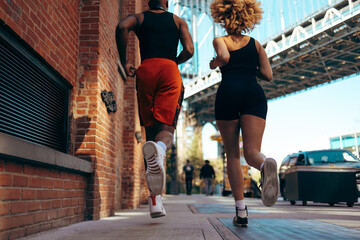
pixel 159 85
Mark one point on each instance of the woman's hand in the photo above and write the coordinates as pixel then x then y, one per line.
pixel 212 64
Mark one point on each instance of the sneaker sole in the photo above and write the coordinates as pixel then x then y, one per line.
pixel 158 210
pixel 270 192
pixel 155 182
pixel 240 225
pixel 157 214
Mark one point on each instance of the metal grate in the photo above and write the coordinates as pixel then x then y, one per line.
pixel 33 97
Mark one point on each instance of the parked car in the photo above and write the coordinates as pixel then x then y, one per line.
pixel 329 176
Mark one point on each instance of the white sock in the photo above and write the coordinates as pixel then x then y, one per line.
pixel 240 204
pixel 162 145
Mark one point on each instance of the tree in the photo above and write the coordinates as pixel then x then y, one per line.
pixel 194 152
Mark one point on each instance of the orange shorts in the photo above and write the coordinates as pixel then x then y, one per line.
pixel 160 91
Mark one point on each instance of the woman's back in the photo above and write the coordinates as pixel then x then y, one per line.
pixel 239 93
pixel 244 58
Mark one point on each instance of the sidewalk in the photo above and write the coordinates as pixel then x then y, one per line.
pixel 200 217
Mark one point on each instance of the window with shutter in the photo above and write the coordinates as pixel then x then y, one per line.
pixel 34 97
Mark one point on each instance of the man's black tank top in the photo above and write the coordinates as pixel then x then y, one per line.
pixel 158 36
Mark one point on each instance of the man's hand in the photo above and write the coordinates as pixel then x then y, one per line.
pixel 130 69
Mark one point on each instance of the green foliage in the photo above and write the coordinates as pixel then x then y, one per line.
pixel 195 155
pixel 219 170
pixel 194 152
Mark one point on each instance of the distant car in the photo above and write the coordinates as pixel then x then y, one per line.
pixel 283 166
pixel 315 176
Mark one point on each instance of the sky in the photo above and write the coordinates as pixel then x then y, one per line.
pixel 306 120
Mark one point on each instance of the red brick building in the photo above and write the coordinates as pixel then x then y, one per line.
pixel 64 158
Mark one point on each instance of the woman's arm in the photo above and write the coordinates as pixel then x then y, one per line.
pixel 222 53
pixel 264 72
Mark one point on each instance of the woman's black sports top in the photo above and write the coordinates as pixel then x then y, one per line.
pixel 158 35
pixel 243 61
pixel 239 93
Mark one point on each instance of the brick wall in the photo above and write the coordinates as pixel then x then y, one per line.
pixel 133 184
pixel 116 154
pixel 87 125
pixel 34 199
pixel 110 80
pixel 49 27
pixel 77 38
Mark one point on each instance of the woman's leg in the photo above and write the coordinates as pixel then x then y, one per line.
pixel 252 132
pixel 252 129
pixel 230 131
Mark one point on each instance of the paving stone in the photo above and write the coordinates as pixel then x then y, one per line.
pixel 290 229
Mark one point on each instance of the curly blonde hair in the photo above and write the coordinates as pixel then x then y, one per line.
pixel 236 16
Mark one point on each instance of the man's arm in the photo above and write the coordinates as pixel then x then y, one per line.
pixel 186 42
pixel 122 35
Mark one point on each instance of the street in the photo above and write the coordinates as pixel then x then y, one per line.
pixel 201 217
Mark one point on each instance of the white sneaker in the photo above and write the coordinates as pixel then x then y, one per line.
pixel 155 172
pixel 270 182
pixel 156 207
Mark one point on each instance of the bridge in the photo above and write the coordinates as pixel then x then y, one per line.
pixel 321 48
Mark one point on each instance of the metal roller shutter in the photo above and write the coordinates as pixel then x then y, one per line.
pixel 33 97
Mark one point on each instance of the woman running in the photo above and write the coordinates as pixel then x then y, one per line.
pixel 240 101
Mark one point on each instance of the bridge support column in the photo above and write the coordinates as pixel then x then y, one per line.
pixel 173 170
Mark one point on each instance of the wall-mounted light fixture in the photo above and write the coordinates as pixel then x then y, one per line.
pixel 108 99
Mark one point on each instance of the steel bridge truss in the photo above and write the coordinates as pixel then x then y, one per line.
pixel 194 12
pixel 323 48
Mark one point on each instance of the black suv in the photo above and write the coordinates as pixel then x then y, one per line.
pixel 308 169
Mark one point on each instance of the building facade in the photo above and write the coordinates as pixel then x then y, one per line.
pixel 70 147
pixel 350 142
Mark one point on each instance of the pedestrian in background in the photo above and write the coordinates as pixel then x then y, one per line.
pixel 188 171
pixel 208 174
pixel 240 100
